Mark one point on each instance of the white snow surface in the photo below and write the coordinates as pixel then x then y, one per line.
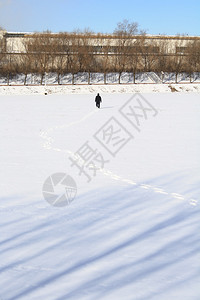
pixel 101 88
pixel 133 231
pixel 145 83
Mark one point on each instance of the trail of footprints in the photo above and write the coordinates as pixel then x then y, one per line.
pixel 48 141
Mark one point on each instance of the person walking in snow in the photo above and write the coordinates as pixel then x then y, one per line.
pixel 98 100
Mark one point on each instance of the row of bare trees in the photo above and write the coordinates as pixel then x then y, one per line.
pixel 72 53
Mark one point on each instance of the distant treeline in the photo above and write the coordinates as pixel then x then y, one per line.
pixel 63 54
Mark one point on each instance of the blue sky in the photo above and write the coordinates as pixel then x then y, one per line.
pixel 156 17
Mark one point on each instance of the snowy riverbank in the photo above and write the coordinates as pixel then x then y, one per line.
pixel 90 89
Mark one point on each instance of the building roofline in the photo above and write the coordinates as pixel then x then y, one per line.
pixel 99 35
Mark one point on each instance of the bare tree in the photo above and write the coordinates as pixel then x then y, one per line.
pixel 149 51
pixel 134 60
pixel 193 57
pixel 163 61
pixel 42 48
pixel 105 58
pixel 59 54
pixel 74 61
pixel 178 59
pixel 126 28
pixel 26 60
pixel 86 54
pixel 126 41
pixel 2 54
pixel 122 55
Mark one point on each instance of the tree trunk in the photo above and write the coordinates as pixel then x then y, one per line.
pixel 8 78
pixel 58 78
pixel 134 77
pixel 162 76
pixel 176 80
pixel 42 76
pixel 119 77
pixel 25 78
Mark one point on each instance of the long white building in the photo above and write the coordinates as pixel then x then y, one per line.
pixel 14 42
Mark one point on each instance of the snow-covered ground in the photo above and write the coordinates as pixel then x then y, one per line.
pixel 145 83
pixel 98 78
pixel 132 231
pixel 103 89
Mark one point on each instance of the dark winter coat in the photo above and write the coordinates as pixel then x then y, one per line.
pixel 98 99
